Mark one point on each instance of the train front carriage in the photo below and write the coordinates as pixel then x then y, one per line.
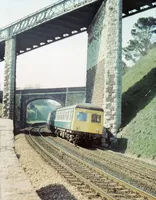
pixel 79 123
pixel 88 122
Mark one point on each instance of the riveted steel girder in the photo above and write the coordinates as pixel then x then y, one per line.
pixel 42 16
pixel 136 6
pixel 65 6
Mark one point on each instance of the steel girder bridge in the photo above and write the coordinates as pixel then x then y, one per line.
pixel 58 21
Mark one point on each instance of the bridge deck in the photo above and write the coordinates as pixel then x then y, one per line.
pixel 60 20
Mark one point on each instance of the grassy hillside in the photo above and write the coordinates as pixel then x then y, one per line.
pixel 139 109
pixel 142 68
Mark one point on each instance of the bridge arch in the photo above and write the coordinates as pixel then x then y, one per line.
pixel 26 99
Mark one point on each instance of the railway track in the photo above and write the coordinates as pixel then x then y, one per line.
pixel 132 172
pixel 91 181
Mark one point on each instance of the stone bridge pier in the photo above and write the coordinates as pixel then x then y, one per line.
pixel 103 85
pixel 9 79
pixel 104 64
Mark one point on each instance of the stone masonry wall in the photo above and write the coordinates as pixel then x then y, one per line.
pixel 104 62
pixel 9 79
pixel 75 99
pixel 95 62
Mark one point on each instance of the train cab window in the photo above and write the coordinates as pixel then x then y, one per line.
pixel 96 118
pixel 81 116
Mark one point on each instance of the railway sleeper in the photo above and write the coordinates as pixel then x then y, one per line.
pixel 124 191
pixel 103 179
pixel 91 195
pixel 107 187
pixel 113 189
pixel 100 183
pixel 95 175
pixel 106 180
pixel 63 171
pixel 118 187
pixel 107 184
pixel 71 180
pixel 86 190
pixel 59 168
pixel 69 176
pixel 116 195
pixel 112 183
pixel 76 183
pixel 80 187
pixel 134 195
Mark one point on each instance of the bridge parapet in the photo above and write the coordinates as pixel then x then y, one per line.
pixel 62 7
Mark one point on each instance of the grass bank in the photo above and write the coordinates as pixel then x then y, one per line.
pixel 138 135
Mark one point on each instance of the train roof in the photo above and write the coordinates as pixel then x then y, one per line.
pixel 84 106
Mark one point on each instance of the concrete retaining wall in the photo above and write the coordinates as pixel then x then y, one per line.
pixel 14 184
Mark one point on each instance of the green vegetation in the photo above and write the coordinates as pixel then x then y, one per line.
pixel 142 67
pixel 143 34
pixel 138 135
pixel 35 115
pixel 38 110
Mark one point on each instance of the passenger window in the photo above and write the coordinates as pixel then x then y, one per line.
pixel 70 115
pixel 96 118
pixel 81 116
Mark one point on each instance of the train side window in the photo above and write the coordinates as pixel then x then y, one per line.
pixel 81 116
pixel 68 116
pixel 58 116
pixel 96 118
pixel 71 114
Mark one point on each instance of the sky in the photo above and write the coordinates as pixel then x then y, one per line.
pixel 61 64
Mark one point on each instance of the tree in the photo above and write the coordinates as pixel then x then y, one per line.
pixel 143 32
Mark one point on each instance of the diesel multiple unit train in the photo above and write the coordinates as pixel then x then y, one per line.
pixel 81 123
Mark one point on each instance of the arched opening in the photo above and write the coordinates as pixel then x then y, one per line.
pixel 37 111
